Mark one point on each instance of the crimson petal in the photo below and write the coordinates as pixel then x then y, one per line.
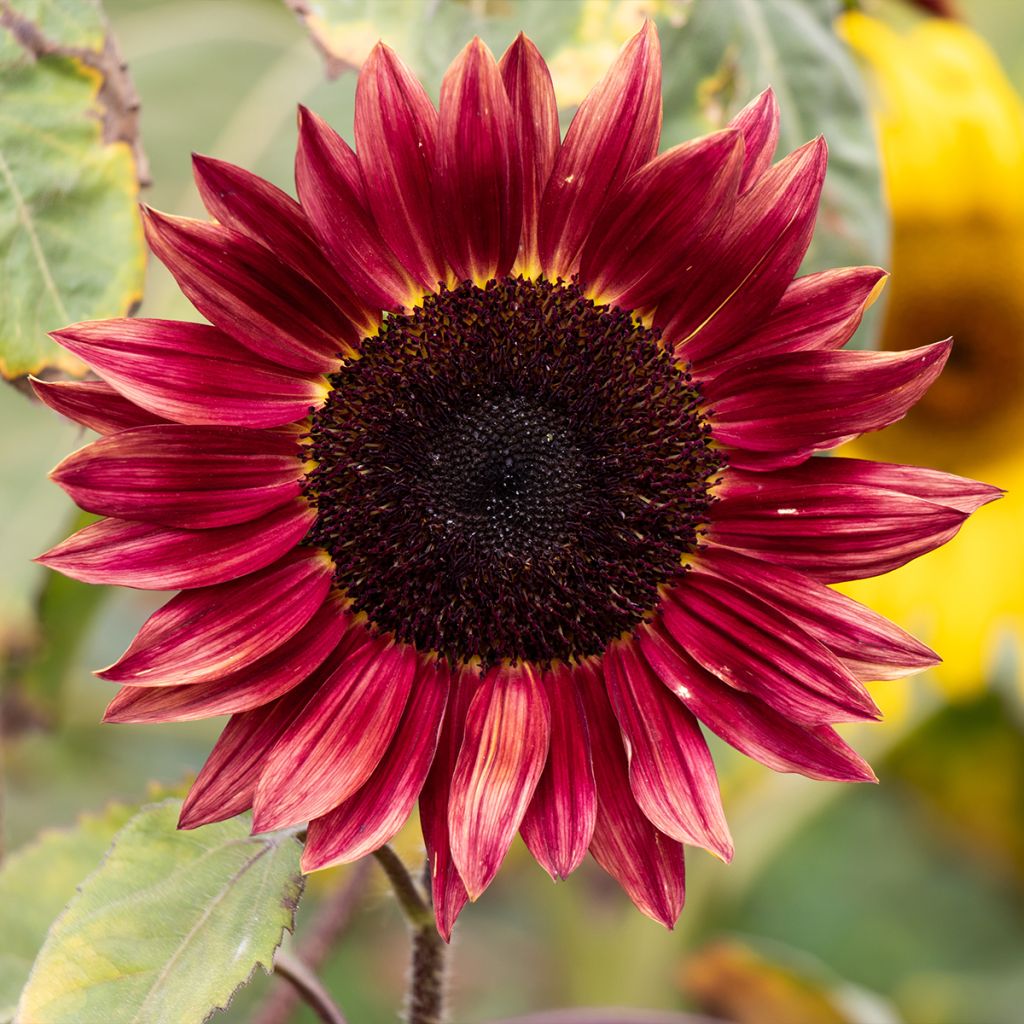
pixel 504 747
pixel 149 557
pixel 535 114
pixel 656 219
pixel 671 771
pixel 93 404
pixel 831 520
pixel 226 784
pixel 758 122
pixel 778 410
pixel 479 168
pixel 616 130
pixel 204 634
pixel 338 739
pixel 746 723
pixel 249 687
pixel 396 139
pixel 755 648
pixel 244 289
pixel 817 312
pixel 192 373
pixel 189 477
pixel 329 182
pixel 645 862
pixel 559 822
pixel 249 204
pixel 448 893
pixel 866 643
pixel 740 273
pixel 372 815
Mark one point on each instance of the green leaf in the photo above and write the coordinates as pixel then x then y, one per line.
pixel 169 926
pixel 70 235
pixel 724 54
pixel 35 884
pixel 429 35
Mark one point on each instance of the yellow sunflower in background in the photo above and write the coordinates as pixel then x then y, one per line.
pixel 951 129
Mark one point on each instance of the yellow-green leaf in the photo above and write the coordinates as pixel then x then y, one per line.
pixel 71 243
pixel 35 884
pixel 169 926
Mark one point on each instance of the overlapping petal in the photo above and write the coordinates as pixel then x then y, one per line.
pixel 755 648
pixel 248 687
pixel 250 204
pixel 379 808
pixel 657 217
pixel 777 410
pixel 747 723
pixel 479 170
pixel 183 476
pixel 192 373
pixel 670 768
pixel 830 519
pixel 740 273
pixel 504 748
pixel 204 634
pixel 337 740
pixel 758 123
pixel 616 130
pixel 93 404
pixel 559 823
pixel 241 287
pixel 645 862
pixel 330 186
pixel 149 557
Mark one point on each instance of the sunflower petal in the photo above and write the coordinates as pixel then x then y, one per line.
pixel 245 290
pixel 671 771
pixel 192 373
pixel 375 812
pixel 396 140
pixel 93 404
pixel 479 168
pixel 249 687
pixel 778 410
pixel 249 204
pixel 755 648
pixel 330 187
pixel 149 557
pixel 746 723
pixel 205 634
pixel 504 748
pixel 535 114
pixel 181 476
pixel 758 122
pixel 559 822
pixel 645 862
pixel 337 740
pixel 616 130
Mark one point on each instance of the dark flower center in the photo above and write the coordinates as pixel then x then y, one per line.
pixel 509 472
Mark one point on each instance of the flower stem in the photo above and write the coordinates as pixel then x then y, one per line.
pixel 425 999
pixel 309 987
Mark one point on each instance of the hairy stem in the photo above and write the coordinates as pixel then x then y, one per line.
pixel 308 985
pixel 425 998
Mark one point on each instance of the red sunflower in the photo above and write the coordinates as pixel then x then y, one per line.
pixel 491 477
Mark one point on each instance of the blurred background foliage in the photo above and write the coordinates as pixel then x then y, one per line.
pixel 901 902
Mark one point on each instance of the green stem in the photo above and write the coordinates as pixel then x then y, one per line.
pixel 425 998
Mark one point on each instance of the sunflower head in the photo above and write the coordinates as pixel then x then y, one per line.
pixel 493 475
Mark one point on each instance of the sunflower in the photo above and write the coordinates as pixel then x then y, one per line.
pixel 952 135
pixel 491 477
